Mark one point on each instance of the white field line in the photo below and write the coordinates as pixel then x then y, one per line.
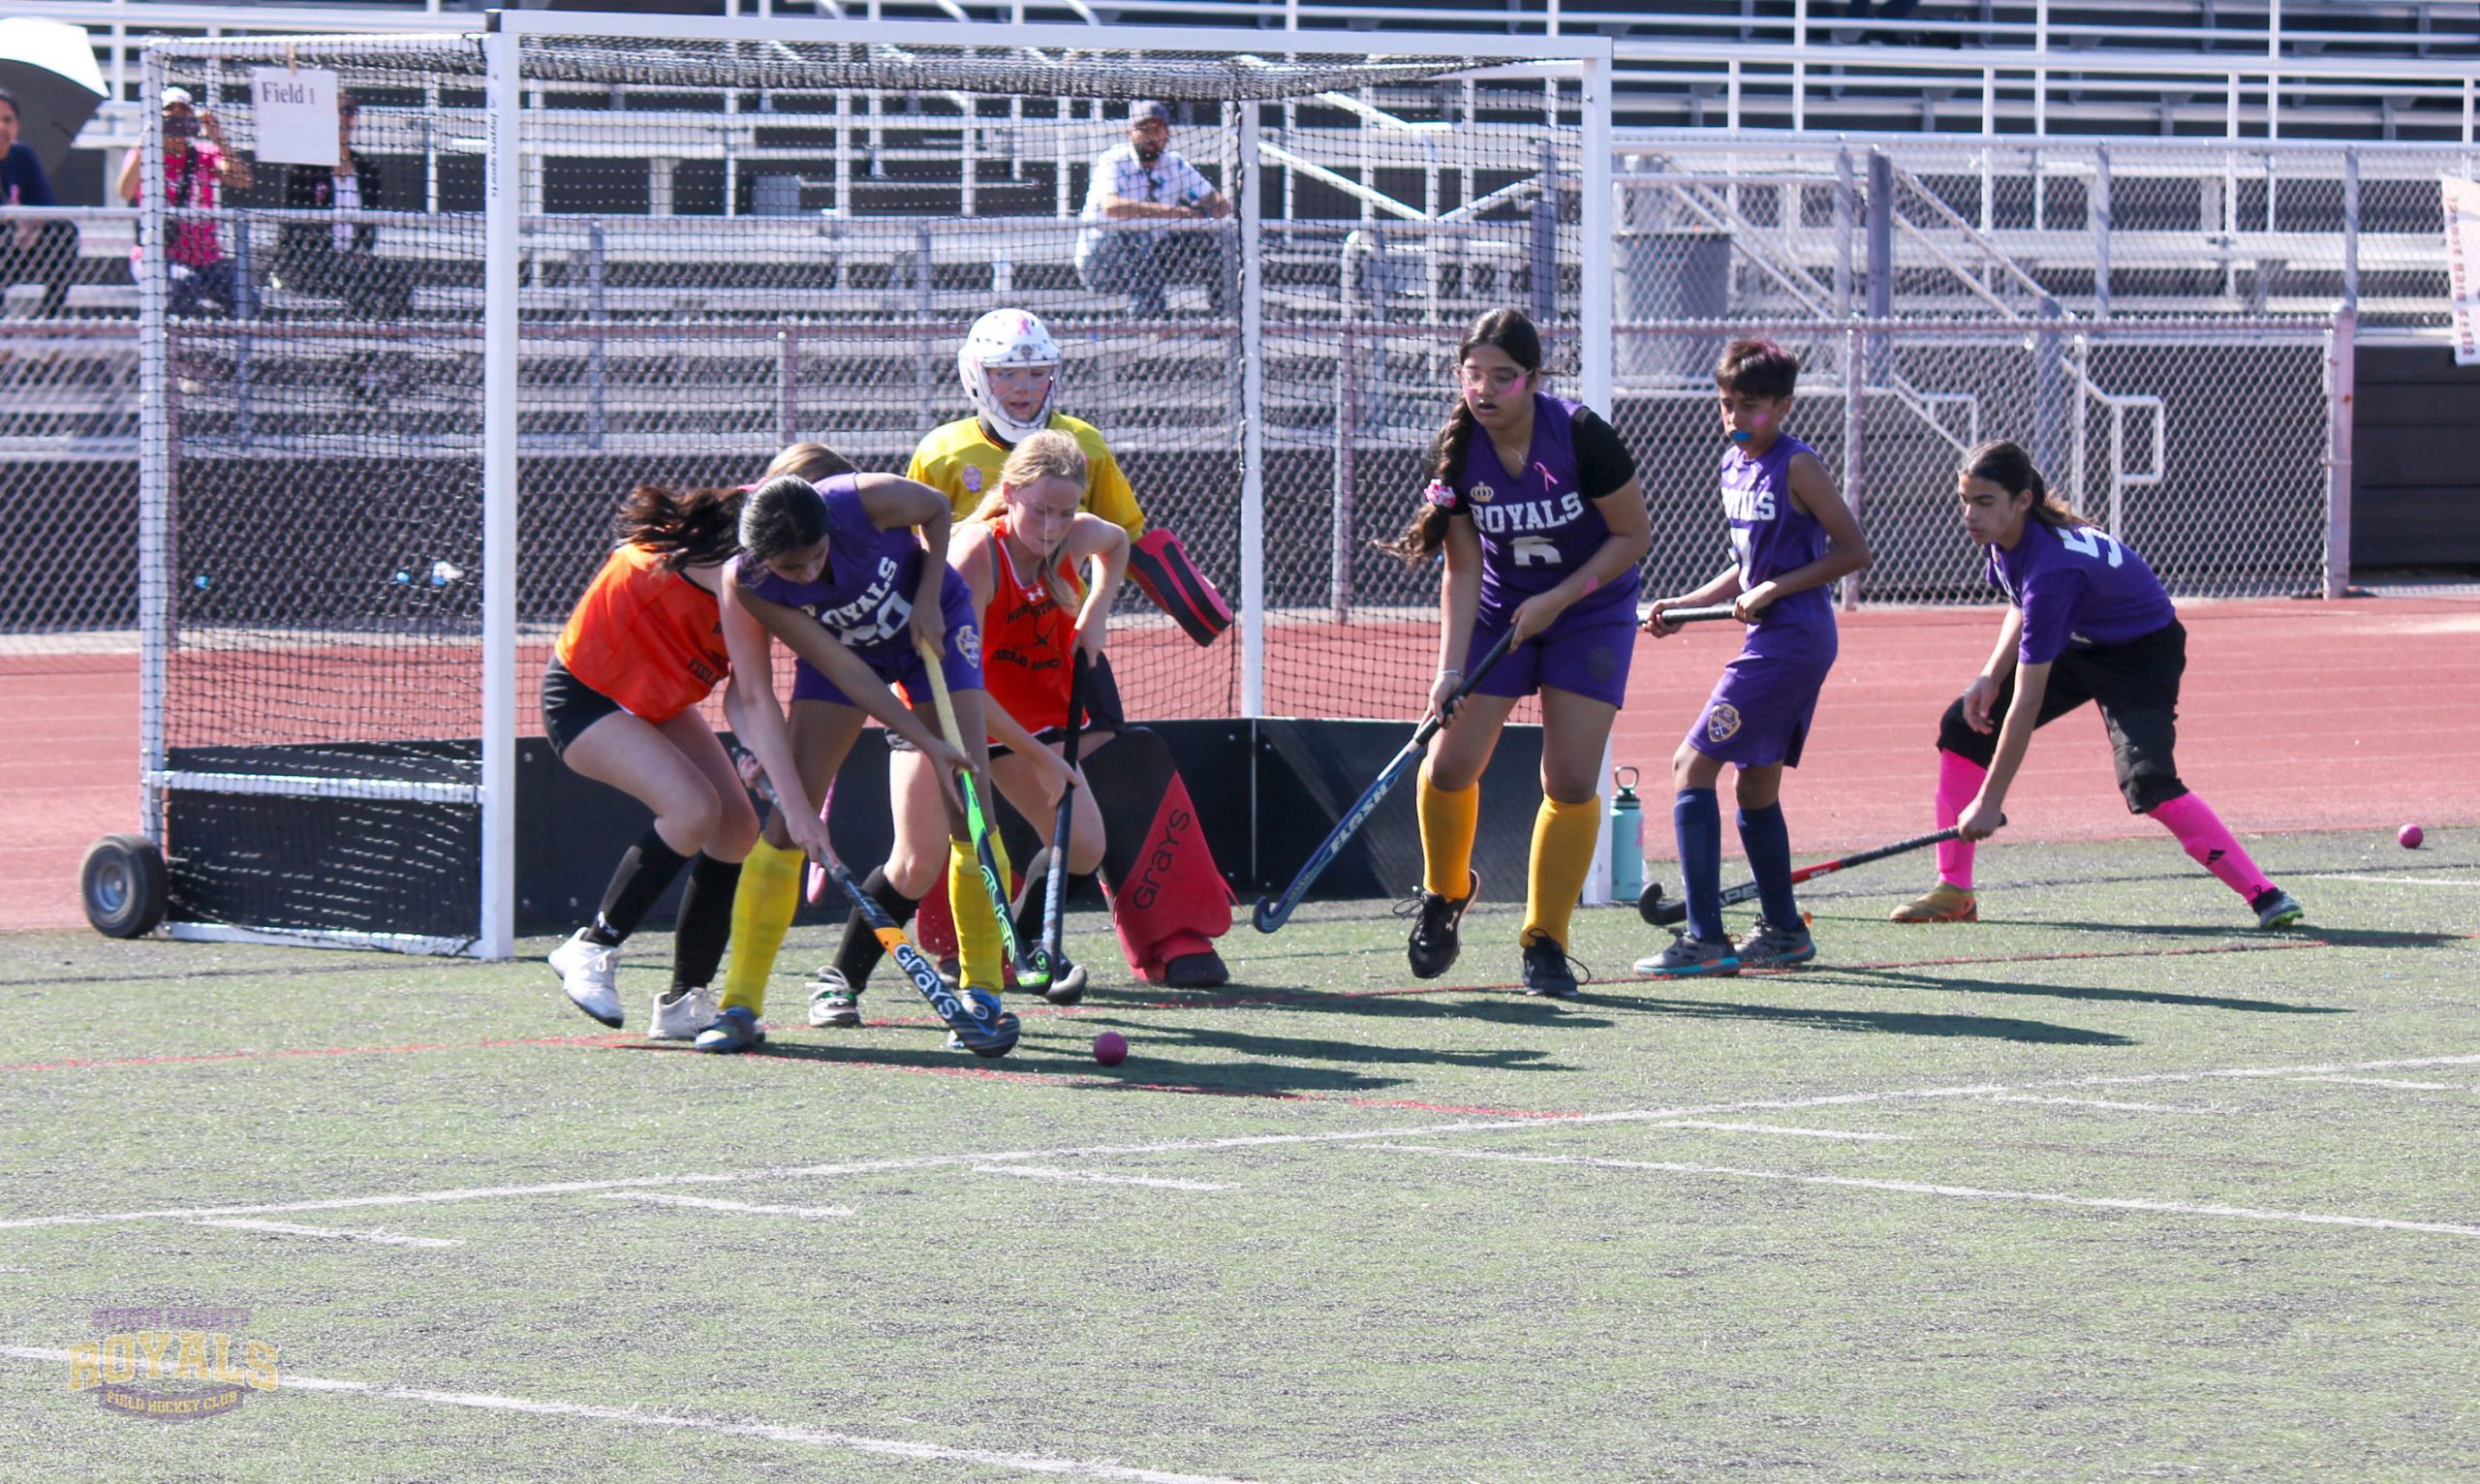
pixel 1026 1463
pixel 2416 1087
pixel 744 1208
pixel 1188 1146
pixel 1805 1133
pixel 2394 880
pixel 1040 1172
pixel 1957 1191
pixel 287 1229
pixel 2094 1103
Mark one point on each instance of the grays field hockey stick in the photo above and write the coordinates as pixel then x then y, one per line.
pixel 994 1036
pixel 1055 888
pixel 1271 912
pixel 1032 971
pixel 1661 914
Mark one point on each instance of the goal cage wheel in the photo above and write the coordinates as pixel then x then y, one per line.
pixel 123 885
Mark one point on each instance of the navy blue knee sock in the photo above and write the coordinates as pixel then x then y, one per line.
pixel 1768 842
pixel 1697 819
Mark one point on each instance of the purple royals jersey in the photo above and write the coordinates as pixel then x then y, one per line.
pixel 1538 527
pixel 2078 588
pixel 864 597
pixel 1771 536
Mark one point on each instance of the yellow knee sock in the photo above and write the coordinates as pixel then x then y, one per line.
pixel 1563 838
pixel 979 954
pixel 770 892
pixel 1448 821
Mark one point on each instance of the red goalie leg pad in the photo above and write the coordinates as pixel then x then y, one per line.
pixel 1167 898
pixel 934 922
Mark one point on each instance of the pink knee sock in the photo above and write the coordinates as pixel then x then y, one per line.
pixel 2211 844
pixel 1959 781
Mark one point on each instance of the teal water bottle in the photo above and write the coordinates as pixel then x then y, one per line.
pixel 1627 839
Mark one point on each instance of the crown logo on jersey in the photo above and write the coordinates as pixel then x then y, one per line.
pixel 1484 493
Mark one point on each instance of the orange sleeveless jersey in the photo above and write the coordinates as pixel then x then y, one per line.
pixel 646 636
pixel 1025 641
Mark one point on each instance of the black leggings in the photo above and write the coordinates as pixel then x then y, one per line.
pixel 2136 686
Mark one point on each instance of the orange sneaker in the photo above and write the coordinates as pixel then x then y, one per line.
pixel 1944 903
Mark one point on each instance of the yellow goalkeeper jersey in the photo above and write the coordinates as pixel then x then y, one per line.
pixel 960 460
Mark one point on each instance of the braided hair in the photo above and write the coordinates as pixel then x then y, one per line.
pixel 1512 331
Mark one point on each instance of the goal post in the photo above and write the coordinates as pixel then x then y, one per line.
pixel 616 249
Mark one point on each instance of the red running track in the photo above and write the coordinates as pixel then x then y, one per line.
pixel 2297 715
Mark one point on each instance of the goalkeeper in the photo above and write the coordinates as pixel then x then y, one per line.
pixel 1168 899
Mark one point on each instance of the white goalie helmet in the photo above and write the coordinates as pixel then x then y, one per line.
pixel 1006 338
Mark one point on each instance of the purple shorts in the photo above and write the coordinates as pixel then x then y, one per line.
pixel 1760 709
pixel 896 663
pixel 1586 652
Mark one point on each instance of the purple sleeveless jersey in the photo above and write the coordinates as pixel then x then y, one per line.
pixel 1771 536
pixel 2079 589
pixel 864 597
pixel 1536 527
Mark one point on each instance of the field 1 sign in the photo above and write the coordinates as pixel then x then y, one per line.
pixel 297 114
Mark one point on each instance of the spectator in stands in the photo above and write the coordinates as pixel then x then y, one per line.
pixel 336 260
pixel 31 251
pixel 1145 181
pixel 193 167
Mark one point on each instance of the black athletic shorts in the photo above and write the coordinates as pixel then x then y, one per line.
pixel 2136 687
pixel 569 707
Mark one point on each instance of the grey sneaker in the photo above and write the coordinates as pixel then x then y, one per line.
pixel 1687 957
pixel 833 1001
pixel 1774 948
pixel 679 1014
pixel 2276 907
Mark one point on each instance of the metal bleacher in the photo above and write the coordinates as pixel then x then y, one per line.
pixel 1957 89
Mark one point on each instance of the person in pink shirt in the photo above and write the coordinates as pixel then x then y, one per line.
pixel 197 161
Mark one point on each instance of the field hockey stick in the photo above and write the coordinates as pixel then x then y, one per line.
pixel 1661 914
pixel 993 1038
pixel 1031 973
pixel 1687 616
pixel 1055 888
pixel 1271 912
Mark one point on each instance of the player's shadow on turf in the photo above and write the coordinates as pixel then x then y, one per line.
pixel 1500 1004
pixel 2242 939
pixel 1499 1059
pixel 1039 1061
pixel 1907 980
pixel 1881 1022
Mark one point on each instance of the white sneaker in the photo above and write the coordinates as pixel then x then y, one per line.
pixel 586 969
pixel 833 1000
pixel 679 1014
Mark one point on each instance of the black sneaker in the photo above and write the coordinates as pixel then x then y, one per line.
pixel 1434 944
pixel 1545 969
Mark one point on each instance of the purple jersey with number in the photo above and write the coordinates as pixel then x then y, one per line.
pixel 1537 526
pixel 2079 588
pixel 864 596
pixel 1770 536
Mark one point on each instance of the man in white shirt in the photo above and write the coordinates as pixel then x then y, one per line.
pixel 1136 187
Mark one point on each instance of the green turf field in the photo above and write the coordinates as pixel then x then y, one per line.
pixel 2108 1186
